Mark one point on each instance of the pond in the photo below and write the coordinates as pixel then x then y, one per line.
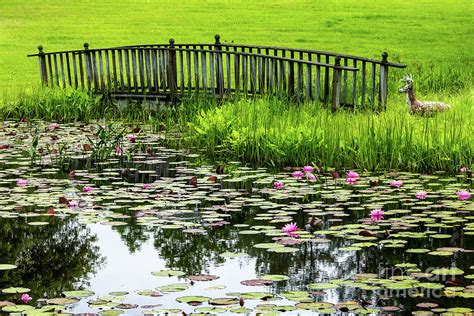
pixel 145 229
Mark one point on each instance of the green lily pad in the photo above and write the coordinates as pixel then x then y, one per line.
pixel 448 271
pixel 62 301
pixel 7 266
pixel 177 287
pixel 79 293
pixel 322 286
pixel 17 308
pixel 16 290
pixel 274 277
pixel 193 299
pixel 224 301
pixel 168 273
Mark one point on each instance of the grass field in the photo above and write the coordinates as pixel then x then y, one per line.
pixel 413 32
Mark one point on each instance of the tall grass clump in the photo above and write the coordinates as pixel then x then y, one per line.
pixel 272 131
pixel 68 105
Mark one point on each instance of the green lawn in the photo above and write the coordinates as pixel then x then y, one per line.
pixel 413 32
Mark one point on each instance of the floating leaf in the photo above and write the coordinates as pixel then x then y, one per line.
pixel 168 273
pixel 7 266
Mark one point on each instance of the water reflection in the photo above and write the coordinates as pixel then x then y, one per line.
pixel 53 258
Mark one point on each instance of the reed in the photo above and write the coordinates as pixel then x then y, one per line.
pixel 273 132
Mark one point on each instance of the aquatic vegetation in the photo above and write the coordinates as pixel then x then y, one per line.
pixel 352 175
pixel 421 195
pixel 278 184
pixel 351 180
pixel 22 183
pixel 87 189
pixel 376 215
pixel 297 174
pixel 463 195
pixel 308 169
pixel 290 229
pixel 271 132
pixel 26 298
pixel 178 223
pixel 396 183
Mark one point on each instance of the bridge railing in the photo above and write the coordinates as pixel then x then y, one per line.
pixel 171 71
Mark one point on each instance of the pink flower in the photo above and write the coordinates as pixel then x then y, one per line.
pixel 22 183
pixel 463 195
pixel 26 298
pixel 290 229
pixel 462 169
pixel 396 183
pixel 118 150
pixel 351 180
pixel 308 169
pixel 352 175
pixel 131 138
pixel 86 189
pixel 73 204
pixel 278 185
pixel 311 177
pixel 297 174
pixel 421 195
pixel 53 126
pixel 146 186
pixel 376 215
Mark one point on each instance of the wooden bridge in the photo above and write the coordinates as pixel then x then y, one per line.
pixel 173 71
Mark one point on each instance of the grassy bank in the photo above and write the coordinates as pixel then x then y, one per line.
pixel 271 132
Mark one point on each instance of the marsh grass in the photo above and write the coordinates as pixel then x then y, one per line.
pixel 68 105
pixel 273 132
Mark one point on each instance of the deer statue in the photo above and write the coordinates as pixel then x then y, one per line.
pixel 421 107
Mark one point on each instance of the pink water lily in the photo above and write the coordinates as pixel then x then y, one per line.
pixel 86 189
pixel 352 175
pixel 290 229
pixel 22 183
pixel 118 150
pixel 421 195
pixel 73 204
pixel 278 185
pixel 53 126
pixel 297 174
pixel 308 169
pixel 351 180
pixel 26 298
pixel 311 177
pixel 396 183
pixel 146 186
pixel 132 138
pixel 463 195
pixel 376 215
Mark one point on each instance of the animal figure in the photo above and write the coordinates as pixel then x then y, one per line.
pixel 420 107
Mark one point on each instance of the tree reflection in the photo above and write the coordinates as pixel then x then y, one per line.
pixel 51 258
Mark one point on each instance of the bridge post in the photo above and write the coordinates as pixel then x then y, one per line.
pixel 219 68
pixel 172 75
pixel 383 82
pixel 42 65
pixel 87 58
pixel 336 84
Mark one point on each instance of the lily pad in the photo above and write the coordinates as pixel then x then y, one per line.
pixel 7 266
pixel 79 293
